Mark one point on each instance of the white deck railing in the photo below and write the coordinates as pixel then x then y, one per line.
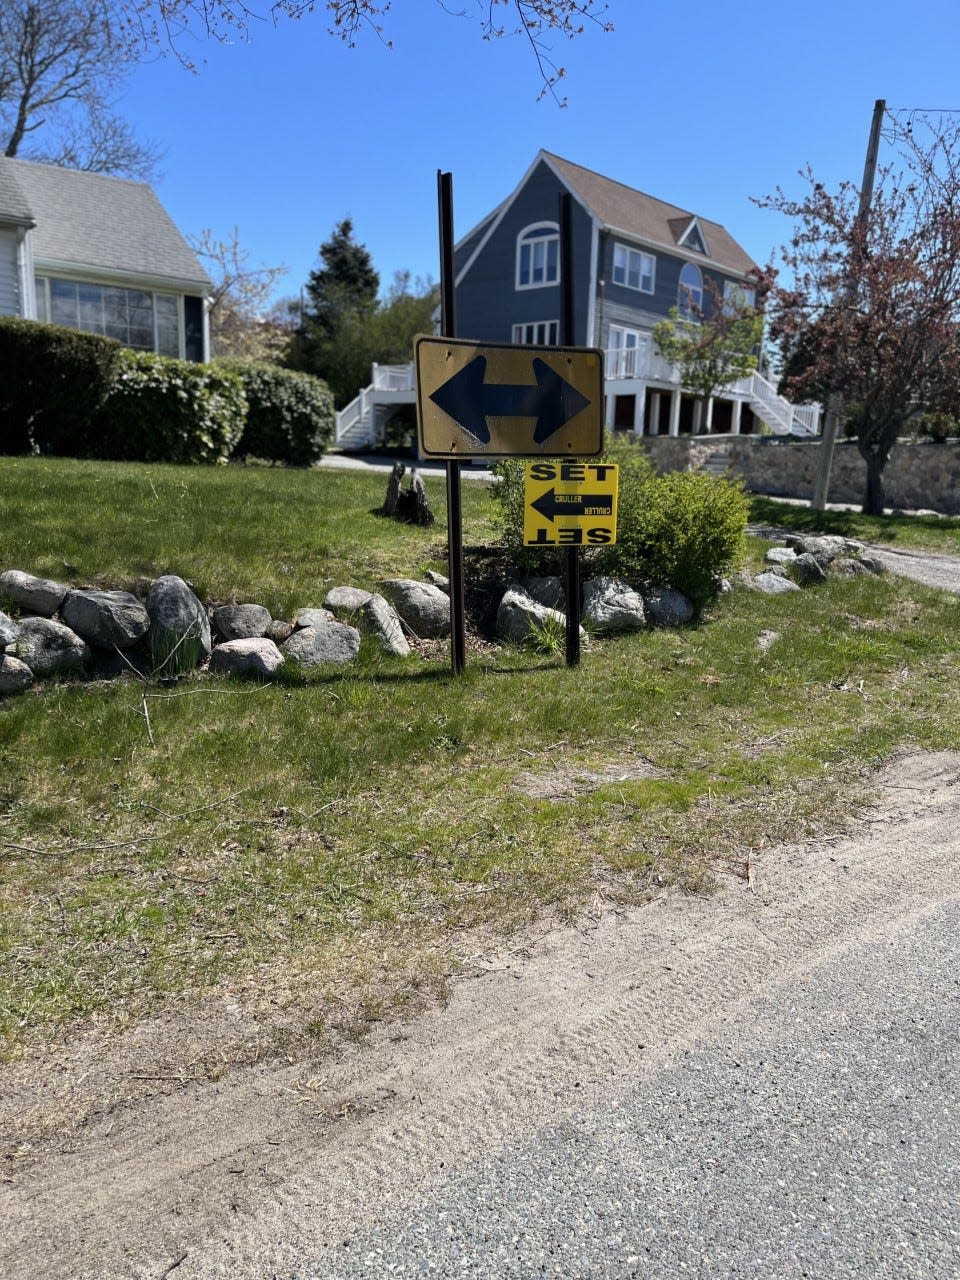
pixel 393 377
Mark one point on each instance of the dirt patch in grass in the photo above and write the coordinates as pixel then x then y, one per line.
pixel 565 782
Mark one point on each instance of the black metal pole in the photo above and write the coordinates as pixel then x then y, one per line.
pixel 448 329
pixel 571 555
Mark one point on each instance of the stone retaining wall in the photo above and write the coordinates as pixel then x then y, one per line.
pixel 919 475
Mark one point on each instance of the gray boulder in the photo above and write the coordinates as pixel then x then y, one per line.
pixel 9 630
pixel 38 596
pixel 667 607
pixel 773 584
pixel 248 656
pixel 241 621
pixel 14 674
pixel 547 590
pixel 346 599
pixel 180 628
pixel 423 607
pixel 106 618
pixel 279 631
pixel 519 616
pixel 438 579
pixel 780 555
pixel 311 617
pixel 379 617
pixel 611 605
pixel 873 564
pixel 849 567
pixel 48 647
pixel 807 569
pixel 326 642
pixel 825 547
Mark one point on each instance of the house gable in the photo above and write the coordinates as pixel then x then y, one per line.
pixel 629 252
pixel 493 301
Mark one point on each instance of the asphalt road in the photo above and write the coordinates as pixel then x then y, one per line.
pixel 815 1134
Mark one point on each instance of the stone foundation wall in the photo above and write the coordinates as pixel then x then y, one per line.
pixel 918 476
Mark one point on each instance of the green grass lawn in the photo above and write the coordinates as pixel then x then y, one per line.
pixel 323 845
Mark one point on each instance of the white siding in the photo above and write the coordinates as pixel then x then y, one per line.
pixel 9 274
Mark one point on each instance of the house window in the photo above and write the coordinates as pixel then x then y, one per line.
pixel 690 293
pixel 623 357
pixel 539 333
pixel 538 256
pixel 138 318
pixel 634 269
pixel 738 295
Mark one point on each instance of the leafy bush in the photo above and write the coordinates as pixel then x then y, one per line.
pixel 290 416
pixel 683 529
pixel 53 381
pixel 163 410
pixel 935 425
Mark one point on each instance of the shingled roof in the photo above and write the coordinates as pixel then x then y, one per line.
pixel 641 217
pixel 14 206
pixel 89 220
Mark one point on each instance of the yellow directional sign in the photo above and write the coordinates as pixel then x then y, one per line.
pixel 507 402
pixel 570 504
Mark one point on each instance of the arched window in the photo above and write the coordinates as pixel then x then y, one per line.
pixel 538 256
pixel 690 293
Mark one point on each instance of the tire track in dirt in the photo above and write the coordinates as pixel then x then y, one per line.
pixel 251 1175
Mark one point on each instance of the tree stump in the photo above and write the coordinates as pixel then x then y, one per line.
pixel 410 504
pixel 389 507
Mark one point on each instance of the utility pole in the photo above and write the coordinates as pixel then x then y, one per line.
pixel 821 485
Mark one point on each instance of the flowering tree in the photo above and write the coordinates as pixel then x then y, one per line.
pixel 873 306
pixel 713 346
pixel 239 302
pixel 538 20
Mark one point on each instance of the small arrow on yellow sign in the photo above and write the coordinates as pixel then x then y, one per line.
pixel 570 504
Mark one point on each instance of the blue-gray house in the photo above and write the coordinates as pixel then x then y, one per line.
pixel 635 257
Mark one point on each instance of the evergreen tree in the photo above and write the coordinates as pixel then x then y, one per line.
pixel 344 286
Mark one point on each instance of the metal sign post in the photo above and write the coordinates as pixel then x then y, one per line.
pixel 448 327
pixel 571 555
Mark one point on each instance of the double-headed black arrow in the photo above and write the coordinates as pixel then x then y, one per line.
pixel 470 401
pixel 573 504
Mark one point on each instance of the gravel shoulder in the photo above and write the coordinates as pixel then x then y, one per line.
pixel 279 1162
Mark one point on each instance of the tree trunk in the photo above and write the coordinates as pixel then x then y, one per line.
pixel 873 497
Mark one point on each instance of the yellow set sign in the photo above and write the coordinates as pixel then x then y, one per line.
pixel 570 504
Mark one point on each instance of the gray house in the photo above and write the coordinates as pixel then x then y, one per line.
pixel 635 258
pixel 99 254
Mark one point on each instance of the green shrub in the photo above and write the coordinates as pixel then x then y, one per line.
pixel 163 410
pixel 53 381
pixel 683 529
pixel 935 425
pixel 290 416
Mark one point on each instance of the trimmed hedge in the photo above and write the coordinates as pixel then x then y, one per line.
pixel 53 382
pixel 290 415
pixel 163 410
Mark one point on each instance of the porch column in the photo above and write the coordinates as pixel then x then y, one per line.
pixel 639 405
pixel 655 413
pixel 674 429
pixel 735 419
pixel 609 403
pixel 708 417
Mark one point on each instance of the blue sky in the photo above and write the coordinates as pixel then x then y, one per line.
pixel 701 104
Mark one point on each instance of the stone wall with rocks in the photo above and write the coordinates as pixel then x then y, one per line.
pixel 920 475
pixel 53 630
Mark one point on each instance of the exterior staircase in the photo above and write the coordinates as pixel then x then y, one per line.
pixel 358 421
pixel 782 417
